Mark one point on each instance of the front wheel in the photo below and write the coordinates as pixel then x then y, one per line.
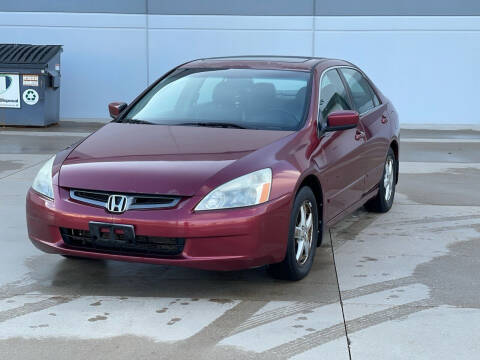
pixel 302 238
pixel 383 201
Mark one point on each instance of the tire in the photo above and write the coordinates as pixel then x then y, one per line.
pixel 383 201
pixel 302 231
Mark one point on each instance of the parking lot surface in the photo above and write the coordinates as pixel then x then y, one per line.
pixel 401 285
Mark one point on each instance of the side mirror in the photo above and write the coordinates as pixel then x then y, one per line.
pixel 115 108
pixel 342 120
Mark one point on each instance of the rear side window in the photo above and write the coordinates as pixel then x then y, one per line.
pixel 333 96
pixel 363 96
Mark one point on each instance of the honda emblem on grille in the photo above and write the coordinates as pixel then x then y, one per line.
pixel 117 203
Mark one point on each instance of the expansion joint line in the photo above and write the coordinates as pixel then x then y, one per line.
pixel 340 295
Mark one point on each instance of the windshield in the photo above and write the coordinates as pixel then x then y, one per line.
pixel 240 98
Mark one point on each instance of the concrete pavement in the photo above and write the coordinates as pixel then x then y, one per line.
pixel 401 285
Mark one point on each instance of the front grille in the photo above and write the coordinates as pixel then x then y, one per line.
pixel 149 200
pixel 134 201
pixel 141 246
pixel 90 195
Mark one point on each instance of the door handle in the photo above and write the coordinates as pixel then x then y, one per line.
pixel 384 119
pixel 359 134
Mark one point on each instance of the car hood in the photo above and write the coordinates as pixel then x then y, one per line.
pixel 157 159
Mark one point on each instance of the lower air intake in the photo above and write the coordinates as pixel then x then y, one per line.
pixel 140 246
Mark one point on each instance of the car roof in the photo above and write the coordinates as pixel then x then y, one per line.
pixel 302 63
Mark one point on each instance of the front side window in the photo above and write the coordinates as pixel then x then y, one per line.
pixel 246 98
pixel 363 96
pixel 333 96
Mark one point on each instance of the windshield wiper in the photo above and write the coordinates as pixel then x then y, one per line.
pixel 134 121
pixel 214 124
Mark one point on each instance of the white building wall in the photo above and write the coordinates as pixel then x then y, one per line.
pixel 427 65
pixel 104 55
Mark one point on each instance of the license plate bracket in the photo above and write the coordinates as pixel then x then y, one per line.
pixel 111 233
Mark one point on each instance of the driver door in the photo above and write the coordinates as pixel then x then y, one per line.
pixel 339 153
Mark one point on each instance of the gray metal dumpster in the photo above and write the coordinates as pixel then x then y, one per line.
pixel 29 84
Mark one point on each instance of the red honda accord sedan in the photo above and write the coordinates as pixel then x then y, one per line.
pixel 223 164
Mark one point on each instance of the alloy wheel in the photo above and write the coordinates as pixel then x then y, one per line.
pixel 304 232
pixel 388 178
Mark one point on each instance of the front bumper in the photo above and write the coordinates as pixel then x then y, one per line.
pixel 223 240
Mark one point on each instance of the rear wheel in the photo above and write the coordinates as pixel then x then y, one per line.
pixel 302 238
pixel 386 188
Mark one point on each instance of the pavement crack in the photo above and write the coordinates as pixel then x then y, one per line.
pixel 340 296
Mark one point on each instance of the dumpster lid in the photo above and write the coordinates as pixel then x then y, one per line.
pixel 26 55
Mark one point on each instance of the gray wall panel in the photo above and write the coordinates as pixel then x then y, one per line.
pixel 80 6
pixel 397 7
pixel 250 7
pixel 231 7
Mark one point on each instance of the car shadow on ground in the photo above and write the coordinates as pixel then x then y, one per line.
pixel 54 275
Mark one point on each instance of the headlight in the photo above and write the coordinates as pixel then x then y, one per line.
pixel 43 181
pixel 250 189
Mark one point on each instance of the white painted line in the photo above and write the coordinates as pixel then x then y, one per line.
pixel 474 127
pixel 335 349
pixel 161 319
pixel 437 333
pixel 449 140
pixel 45 133
pixel 283 330
pixel 87 120
pixel 407 167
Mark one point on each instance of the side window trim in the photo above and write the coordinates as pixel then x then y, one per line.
pixel 368 90
pixel 320 119
pixel 319 113
pixel 347 88
pixel 372 93
pixel 372 89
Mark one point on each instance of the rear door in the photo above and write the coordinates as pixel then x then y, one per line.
pixel 339 152
pixel 373 118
